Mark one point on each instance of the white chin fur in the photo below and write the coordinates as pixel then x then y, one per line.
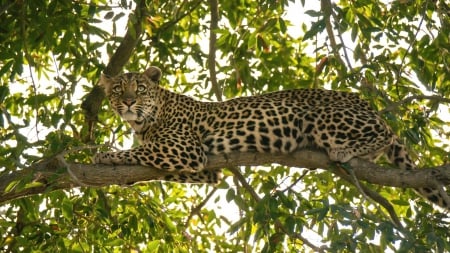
pixel 129 116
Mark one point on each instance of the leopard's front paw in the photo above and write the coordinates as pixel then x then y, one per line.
pixel 115 158
pixel 103 158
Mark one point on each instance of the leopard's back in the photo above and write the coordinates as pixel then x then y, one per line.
pixel 177 132
pixel 339 122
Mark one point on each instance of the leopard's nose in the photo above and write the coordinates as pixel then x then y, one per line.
pixel 129 101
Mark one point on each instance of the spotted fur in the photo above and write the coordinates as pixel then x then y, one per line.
pixel 177 132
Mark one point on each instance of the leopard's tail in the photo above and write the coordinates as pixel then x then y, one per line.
pixel 398 155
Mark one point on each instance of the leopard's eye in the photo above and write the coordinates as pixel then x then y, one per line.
pixel 141 88
pixel 117 89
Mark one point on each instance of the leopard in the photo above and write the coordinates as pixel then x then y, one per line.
pixel 177 133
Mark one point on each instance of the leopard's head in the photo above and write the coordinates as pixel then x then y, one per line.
pixel 132 95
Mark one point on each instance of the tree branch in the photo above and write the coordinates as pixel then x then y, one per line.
pixel 198 208
pixel 327 9
pixel 56 173
pixel 373 195
pixel 129 42
pixel 177 16
pixel 212 48
pixel 93 101
pixel 408 100
pixel 339 34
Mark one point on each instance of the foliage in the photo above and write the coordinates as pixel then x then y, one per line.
pixel 396 54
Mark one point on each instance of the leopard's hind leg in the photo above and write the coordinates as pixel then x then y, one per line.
pixel 345 132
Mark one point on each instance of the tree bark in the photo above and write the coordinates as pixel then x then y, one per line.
pixel 93 101
pixel 56 173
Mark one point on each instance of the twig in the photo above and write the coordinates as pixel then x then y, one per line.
pixel 393 106
pixel 129 42
pixel 327 10
pixel 196 210
pixel 369 194
pixel 212 48
pixel 399 72
pixel 299 237
pixel 305 172
pixel 278 224
pixel 179 17
pixel 344 48
pixel 244 183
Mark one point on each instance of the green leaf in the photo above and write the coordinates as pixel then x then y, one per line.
pixel 316 28
pixel 400 202
pixel 109 15
pixel 33 184
pixel 169 224
pixel 118 16
pixel 153 246
pixel 114 242
pixel 282 23
pixel 12 185
pixel 252 41
pixel 4 91
pixel 314 13
pixel 230 195
pixel 6 67
pixel 67 209
pixel 355 30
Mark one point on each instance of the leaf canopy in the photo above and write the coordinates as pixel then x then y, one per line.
pixel 395 54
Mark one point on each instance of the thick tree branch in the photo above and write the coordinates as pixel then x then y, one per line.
pixel 93 101
pixel 56 174
pixel 129 42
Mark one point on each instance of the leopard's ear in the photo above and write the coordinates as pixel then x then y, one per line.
pixel 106 83
pixel 154 73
